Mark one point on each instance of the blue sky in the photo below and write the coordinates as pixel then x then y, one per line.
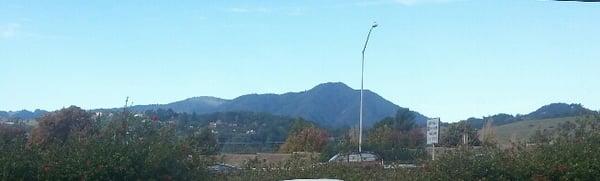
pixel 452 59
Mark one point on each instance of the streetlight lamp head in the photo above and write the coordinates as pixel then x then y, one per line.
pixel 375 24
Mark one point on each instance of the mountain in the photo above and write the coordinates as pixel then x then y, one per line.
pixel 550 111
pixel 199 105
pixel 330 104
pixel 558 110
pixel 22 115
pixel 3 114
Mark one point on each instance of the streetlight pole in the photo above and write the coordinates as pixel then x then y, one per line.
pixel 362 78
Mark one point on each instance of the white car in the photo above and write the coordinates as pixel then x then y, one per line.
pixel 362 158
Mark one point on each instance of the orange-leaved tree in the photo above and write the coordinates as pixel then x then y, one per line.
pixel 305 137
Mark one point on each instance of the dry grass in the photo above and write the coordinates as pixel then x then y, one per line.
pixel 523 130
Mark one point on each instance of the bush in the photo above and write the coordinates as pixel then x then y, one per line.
pixel 332 171
pixel 69 145
pixel 574 154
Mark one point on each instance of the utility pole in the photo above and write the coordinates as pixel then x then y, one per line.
pixel 362 75
pixel 126 101
pixel 433 151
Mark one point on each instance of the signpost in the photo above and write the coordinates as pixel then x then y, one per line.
pixel 433 132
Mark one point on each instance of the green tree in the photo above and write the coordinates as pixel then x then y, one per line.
pixel 69 145
pixel 457 132
pixel 394 137
pixel 540 136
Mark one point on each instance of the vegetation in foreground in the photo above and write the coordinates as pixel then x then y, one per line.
pixel 572 152
pixel 74 144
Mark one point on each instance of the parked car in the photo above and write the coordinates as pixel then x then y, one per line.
pixel 223 168
pixel 362 158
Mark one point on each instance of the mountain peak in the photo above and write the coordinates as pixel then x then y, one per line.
pixel 206 99
pixel 560 109
pixel 332 86
pixel 559 106
pixel 331 104
pixel 554 110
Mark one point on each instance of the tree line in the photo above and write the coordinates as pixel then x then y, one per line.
pixel 395 138
pixel 73 144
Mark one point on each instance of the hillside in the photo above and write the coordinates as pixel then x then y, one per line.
pixel 237 132
pixel 523 130
pixel 329 104
pixel 22 115
pixel 554 110
pixel 199 105
pixel 559 110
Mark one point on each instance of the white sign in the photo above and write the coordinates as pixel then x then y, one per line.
pixel 433 130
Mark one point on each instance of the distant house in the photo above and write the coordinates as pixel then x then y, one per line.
pixel 212 125
pixel 96 115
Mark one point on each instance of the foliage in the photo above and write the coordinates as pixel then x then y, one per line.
pixel 327 103
pixel 55 128
pixel 397 138
pixel 540 136
pixel 70 145
pixel 489 135
pixel 468 165
pixel 345 143
pixel 522 131
pixel 236 132
pixel 404 120
pixel 551 111
pixel 301 168
pixel 571 155
pixel 455 133
pixel 16 161
pixel 305 137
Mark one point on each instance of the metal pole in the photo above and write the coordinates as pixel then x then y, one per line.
pixel 433 151
pixel 362 75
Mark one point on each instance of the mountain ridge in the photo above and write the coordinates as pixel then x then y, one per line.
pixel 553 110
pixel 332 104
